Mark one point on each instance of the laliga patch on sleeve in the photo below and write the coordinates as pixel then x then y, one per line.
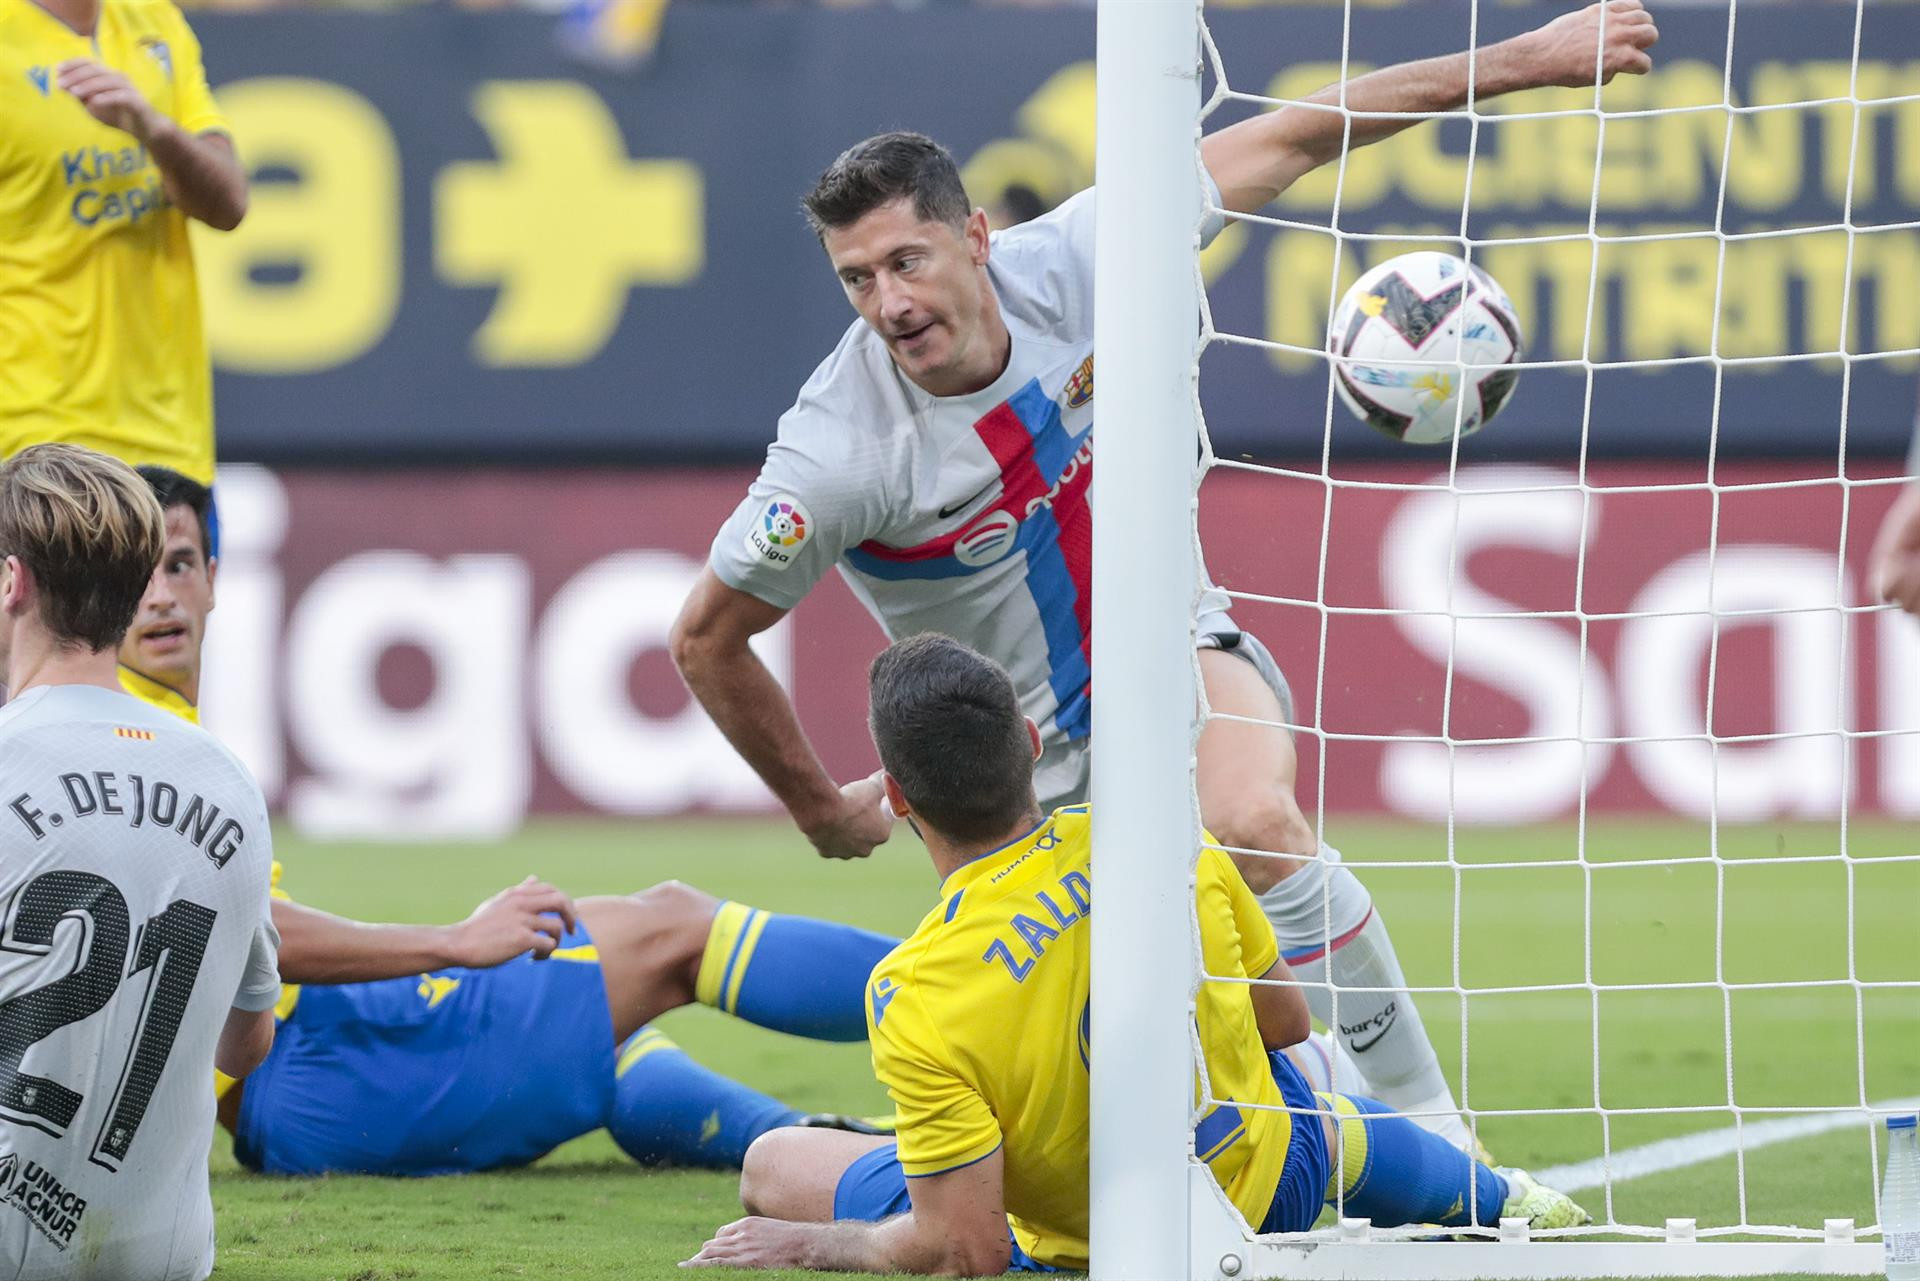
pixel 782 529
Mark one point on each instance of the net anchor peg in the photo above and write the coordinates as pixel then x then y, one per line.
pixel 1355 1231
pixel 1839 1232
pixel 1230 1265
pixel 1682 1231
pixel 1513 1229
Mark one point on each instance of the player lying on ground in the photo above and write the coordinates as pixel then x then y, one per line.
pixel 428 1049
pixel 138 952
pixel 941 458
pixel 989 1171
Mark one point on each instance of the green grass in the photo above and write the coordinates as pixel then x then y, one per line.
pixel 584 1212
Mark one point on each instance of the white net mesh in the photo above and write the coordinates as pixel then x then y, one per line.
pixel 1598 699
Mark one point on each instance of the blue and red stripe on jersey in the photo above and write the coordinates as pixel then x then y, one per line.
pixel 1035 452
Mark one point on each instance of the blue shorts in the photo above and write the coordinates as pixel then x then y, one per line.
pixel 455 1071
pixel 874 1187
pixel 1303 1179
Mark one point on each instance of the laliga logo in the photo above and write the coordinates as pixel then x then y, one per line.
pixel 786 524
pixel 988 541
pixel 782 528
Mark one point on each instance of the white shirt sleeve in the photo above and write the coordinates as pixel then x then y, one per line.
pixel 260 980
pixel 814 498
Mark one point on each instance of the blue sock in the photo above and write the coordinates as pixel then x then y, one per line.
pixel 1394 1172
pixel 790 973
pixel 669 1110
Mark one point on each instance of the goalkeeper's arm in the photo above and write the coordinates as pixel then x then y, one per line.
pixel 1257 159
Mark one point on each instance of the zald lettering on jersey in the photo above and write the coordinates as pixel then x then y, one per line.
pixel 1021 948
pixel 90 168
pixel 33 1190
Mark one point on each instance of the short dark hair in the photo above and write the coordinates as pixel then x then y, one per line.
pixel 1021 203
pixel 885 168
pixel 175 490
pixel 949 728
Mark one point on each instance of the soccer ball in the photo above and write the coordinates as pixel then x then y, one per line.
pixel 1424 345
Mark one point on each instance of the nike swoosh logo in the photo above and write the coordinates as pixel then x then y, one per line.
pixel 1360 1048
pixel 957 508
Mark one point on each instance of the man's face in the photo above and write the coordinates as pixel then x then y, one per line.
pixel 919 285
pixel 164 641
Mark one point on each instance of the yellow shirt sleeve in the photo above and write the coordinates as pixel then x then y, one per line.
pixel 1235 936
pixel 944 1123
pixel 193 106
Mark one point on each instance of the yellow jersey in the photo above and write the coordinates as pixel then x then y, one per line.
pixel 153 693
pixel 101 342
pixel 169 699
pixel 979 1029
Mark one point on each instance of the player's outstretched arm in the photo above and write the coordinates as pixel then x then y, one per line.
pixel 711 647
pixel 1257 159
pixel 201 172
pixel 1896 552
pixel 319 947
pixel 957 1228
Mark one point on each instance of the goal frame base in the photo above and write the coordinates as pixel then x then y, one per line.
pixel 1221 1249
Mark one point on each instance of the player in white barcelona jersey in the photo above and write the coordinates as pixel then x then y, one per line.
pixel 136 950
pixel 941 459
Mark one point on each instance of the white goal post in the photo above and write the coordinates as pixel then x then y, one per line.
pixel 1156 1211
pixel 1146 336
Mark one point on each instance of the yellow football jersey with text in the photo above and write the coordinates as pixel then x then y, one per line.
pixel 979 1028
pixel 101 341
pixel 169 699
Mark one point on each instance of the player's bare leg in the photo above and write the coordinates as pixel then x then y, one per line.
pixel 1246 773
pixel 673 945
pixel 1323 917
pixel 792 1173
pixel 650 946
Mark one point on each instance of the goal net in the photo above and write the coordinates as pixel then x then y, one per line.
pixel 1596 702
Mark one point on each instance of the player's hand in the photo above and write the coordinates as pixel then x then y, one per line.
pixel 1895 564
pixel 1565 50
pixel 110 97
pixel 862 820
pixel 756 1243
pixel 531 915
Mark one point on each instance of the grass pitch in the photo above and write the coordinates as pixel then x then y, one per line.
pixel 1524 921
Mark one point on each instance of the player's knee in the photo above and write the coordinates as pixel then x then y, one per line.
pixel 675 910
pixel 1265 819
pixel 760 1177
pixel 677 903
pixel 675 919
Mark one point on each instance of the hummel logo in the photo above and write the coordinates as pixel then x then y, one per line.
pixel 42 79
pixel 1383 1021
pixel 957 508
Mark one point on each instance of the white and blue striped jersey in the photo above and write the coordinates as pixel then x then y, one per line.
pixel 965 515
